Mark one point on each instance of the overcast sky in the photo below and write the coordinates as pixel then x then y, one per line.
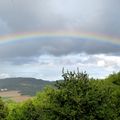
pixel 45 57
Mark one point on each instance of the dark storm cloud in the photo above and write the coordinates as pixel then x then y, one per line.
pixel 58 15
pixel 24 50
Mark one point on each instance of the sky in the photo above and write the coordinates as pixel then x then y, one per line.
pixel 44 57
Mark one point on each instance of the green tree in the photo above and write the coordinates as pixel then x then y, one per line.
pixel 80 98
pixel 3 110
pixel 114 78
pixel 77 97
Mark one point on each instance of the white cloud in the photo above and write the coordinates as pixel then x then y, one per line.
pixel 4 75
pixel 50 67
pixel 108 60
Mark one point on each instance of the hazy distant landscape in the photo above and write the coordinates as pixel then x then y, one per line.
pixel 20 89
pixel 26 86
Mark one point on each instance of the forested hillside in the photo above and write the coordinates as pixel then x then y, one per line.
pixel 26 86
pixel 78 97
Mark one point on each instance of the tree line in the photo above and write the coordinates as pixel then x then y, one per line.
pixel 77 97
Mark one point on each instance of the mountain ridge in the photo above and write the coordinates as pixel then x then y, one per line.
pixel 25 85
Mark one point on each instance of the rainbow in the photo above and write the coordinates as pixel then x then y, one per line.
pixel 89 36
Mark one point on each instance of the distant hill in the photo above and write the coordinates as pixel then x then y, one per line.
pixel 26 86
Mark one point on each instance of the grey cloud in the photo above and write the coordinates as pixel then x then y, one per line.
pixel 41 15
pixel 4 28
pixel 58 15
pixel 55 46
pixel 96 16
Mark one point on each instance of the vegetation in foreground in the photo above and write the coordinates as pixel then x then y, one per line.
pixel 78 97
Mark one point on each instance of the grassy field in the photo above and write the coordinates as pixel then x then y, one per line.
pixel 14 95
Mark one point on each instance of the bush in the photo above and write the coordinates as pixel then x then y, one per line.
pixel 79 98
pixel 3 110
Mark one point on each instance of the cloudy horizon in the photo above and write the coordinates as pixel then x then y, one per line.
pixel 45 57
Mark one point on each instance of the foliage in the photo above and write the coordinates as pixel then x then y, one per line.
pixel 77 97
pixel 114 78
pixel 3 110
